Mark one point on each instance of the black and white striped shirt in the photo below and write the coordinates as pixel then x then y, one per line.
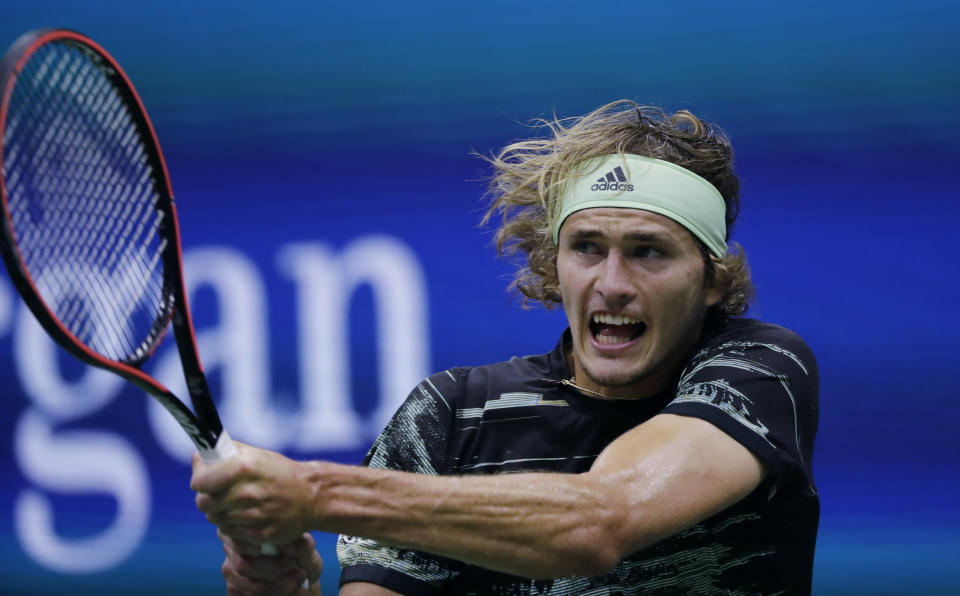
pixel 755 381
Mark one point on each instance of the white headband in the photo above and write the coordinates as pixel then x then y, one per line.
pixel 637 182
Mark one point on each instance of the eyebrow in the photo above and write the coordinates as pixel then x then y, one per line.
pixel 589 234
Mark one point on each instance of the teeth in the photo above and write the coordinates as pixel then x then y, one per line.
pixel 608 319
pixel 611 339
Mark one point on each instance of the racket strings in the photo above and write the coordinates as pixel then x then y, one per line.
pixel 83 198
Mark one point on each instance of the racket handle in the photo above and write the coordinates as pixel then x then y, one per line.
pixel 225 449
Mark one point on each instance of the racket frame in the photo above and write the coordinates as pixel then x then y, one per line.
pixel 203 423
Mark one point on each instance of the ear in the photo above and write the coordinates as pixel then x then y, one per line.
pixel 713 292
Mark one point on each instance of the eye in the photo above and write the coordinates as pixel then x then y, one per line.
pixel 585 247
pixel 647 252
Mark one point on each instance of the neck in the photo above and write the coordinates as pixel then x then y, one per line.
pixel 571 382
pixel 649 385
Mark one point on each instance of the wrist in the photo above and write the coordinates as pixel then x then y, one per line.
pixel 317 479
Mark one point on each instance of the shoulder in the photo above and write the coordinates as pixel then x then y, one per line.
pixel 758 382
pixel 762 376
pixel 755 341
pixel 468 386
pixel 746 330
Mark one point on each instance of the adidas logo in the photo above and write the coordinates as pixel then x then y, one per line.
pixel 613 180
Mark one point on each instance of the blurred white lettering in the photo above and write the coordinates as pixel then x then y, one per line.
pixel 325 284
pixel 73 462
pixel 78 462
pixel 6 308
pixel 36 355
pixel 236 347
pixel 328 421
pixel 399 291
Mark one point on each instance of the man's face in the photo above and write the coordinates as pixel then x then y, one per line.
pixel 632 284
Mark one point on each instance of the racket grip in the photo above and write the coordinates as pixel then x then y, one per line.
pixel 225 449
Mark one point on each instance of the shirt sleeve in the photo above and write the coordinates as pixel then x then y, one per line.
pixel 761 388
pixel 415 440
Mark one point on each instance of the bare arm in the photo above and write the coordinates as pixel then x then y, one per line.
pixel 661 477
pixel 365 589
pixel 657 479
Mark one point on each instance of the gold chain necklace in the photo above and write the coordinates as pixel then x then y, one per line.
pixel 570 383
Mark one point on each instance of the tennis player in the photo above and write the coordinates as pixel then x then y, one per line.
pixel 663 446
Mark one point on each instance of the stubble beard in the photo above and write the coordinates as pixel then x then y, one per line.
pixel 612 383
pixel 650 378
pixel 615 380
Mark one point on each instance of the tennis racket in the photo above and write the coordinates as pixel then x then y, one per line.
pixel 89 226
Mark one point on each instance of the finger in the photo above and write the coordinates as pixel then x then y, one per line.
pixel 265 568
pixel 233 508
pixel 228 511
pixel 241 547
pixel 237 583
pixel 313 589
pixel 242 532
pixel 198 467
pixel 218 519
pixel 299 547
pixel 303 552
pixel 259 567
pixel 242 586
pixel 293 582
pixel 217 477
pixel 289 583
pixel 314 568
pixel 239 505
pixel 311 563
pixel 205 503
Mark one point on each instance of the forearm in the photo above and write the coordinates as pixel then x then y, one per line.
pixel 650 483
pixel 539 525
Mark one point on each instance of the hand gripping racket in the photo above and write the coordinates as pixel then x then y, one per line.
pixel 89 226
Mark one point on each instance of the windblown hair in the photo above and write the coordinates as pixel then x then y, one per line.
pixel 529 176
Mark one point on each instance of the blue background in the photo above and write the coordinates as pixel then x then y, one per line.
pixel 329 123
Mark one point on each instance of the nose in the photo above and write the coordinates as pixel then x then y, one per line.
pixel 615 282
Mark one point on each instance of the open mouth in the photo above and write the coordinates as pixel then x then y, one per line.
pixel 615 329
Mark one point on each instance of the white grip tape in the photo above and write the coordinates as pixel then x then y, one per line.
pixel 225 449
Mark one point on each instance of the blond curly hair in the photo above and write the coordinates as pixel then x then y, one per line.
pixel 528 176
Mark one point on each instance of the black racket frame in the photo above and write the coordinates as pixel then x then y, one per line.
pixel 203 423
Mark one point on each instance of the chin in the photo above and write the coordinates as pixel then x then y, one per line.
pixel 614 378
